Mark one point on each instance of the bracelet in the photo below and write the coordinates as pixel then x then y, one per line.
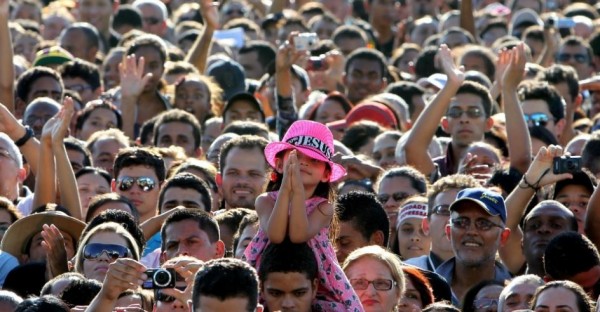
pixel 535 186
pixel 28 135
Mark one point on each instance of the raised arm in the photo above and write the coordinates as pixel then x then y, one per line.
pixel 67 184
pixel 467 20
pixel 538 175
pixel 132 84
pixel 7 74
pixel 516 127
pixel 426 125
pixel 45 179
pixel 16 131
pixel 200 50
pixel 286 103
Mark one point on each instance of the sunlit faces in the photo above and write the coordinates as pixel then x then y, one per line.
pixel 556 299
pixel 152 19
pixel 330 110
pixel 104 152
pixel 193 96
pixel 154 64
pixel 465 129
pixel 38 113
pixel 82 88
pixel 540 106
pixel 348 240
pixel 576 198
pixel 110 69
pixel 76 42
pixel 99 119
pixel 96 268
pixel 438 220
pixel 474 247
pixel 244 177
pixel 518 297
pixel 372 300
pixel 186 197
pixel 97 13
pixel 244 240
pixel 542 223
pixel 178 134
pixel 90 185
pixel 577 57
pixel 241 110
pixel 289 291
pixel 392 191
pixel 364 78
pixel 384 151
pixel 185 238
pixel 45 86
pixel 412 240
pixel 146 202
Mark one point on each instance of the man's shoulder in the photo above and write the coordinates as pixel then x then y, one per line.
pixel 420 262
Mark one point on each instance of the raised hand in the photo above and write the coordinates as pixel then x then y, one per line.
pixel 541 167
pixel 122 275
pixel 187 269
pixel 132 75
pixel 210 13
pixel 470 166
pixel 297 185
pixel 287 55
pixel 501 65
pixel 60 129
pixel 56 254
pixel 516 68
pixel 456 75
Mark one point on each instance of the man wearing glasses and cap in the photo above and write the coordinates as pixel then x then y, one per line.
pixel 476 231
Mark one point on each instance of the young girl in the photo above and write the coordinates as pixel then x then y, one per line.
pixel 297 206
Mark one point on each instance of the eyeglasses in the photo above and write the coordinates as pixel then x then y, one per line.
pixel 565 57
pixel 482 225
pixel 94 251
pixel 537 119
pixel 485 303
pixel 78 88
pixel 398 196
pixel 147 184
pixel 472 112
pixel 152 20
pixel 378 284
pixel 442 210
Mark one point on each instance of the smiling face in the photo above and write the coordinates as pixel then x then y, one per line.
pixel 373 300
pixel 96 269
pixel 413 242
pixel 244 177
pixel 364 78
pixel 556 299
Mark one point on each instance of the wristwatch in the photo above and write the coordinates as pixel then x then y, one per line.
pixel 28 135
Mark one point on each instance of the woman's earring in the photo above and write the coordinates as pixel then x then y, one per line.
pixel 273 176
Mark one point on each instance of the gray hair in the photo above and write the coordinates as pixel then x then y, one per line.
pixel 12 149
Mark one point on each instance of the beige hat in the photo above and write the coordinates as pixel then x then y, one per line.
pixel 22 231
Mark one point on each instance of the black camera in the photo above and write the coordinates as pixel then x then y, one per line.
pixel 566 164
pixel 160 278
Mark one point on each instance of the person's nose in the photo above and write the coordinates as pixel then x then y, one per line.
pixel 415 238
pixel 183 250
pixel 287 302
pixel 178 305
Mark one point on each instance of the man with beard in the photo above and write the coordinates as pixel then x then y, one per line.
pixel 476 231
pixel 242 171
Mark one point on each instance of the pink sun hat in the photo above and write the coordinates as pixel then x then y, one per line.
pixel 311 138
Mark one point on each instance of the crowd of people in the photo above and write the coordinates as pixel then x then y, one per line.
pixel 326 155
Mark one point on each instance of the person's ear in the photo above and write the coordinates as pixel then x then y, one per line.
pixel 315 285
pixel 326 175
pixel 445 124
pixel 220 249
pixel 489 123
pixel 377 238
pixel 113 186
pixel 279 164
pixel 578 101
pixel 448 231
pixel 219 180
pixel 425 226
pixel 504 236
pixel 22 175
pixel 559 127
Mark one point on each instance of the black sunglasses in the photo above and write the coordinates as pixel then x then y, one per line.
pixel 472 112
pixel 125 183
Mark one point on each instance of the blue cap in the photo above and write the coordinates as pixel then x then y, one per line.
pixel 490 201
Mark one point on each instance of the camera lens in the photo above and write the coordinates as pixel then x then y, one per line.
pixel 162 278
pixel 570 165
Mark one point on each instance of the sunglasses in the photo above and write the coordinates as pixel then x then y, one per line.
pixel 537 119
pixel 114 252
pixel 472 112
pixel 378 284
pixel 442 210
pixel 398 196
pixel 482 225
pixel 565 57
pixel 125 183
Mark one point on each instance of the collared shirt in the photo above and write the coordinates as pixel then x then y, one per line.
pixel 446 270
pixel 428 262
